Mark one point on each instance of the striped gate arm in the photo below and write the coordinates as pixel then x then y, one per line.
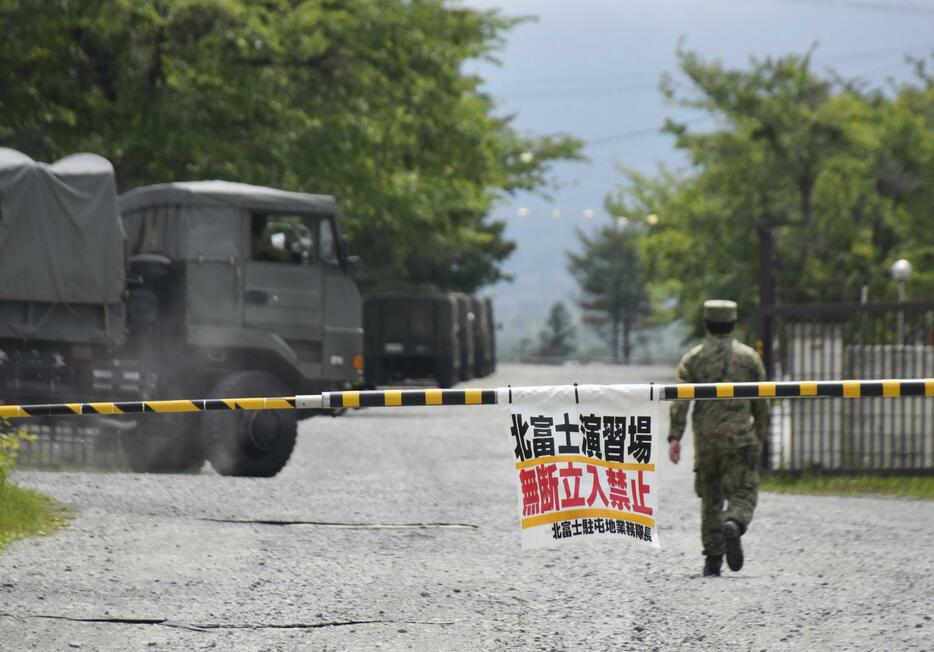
pixel 800 389
pixel 441 397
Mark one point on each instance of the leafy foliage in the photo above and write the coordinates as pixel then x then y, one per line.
pixel 10 442
pixel 556 339
pixel 841 176
pixel 24 512
pixel 608 270
pixel 850 485
pixel 363 100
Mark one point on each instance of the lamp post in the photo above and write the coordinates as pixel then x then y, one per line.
pixel 901 272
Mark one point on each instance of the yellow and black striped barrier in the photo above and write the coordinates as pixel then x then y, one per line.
pixel 430 397
pixel 139 407
pixel 409 397
pixel 327 400
pixel 801 389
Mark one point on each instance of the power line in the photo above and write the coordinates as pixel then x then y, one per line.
pixel 572 93
pixel 638 133
pixel 577 78
pixel 862 4
pixel 871 53
pixel 585 79
pixel 579 93
pixel 626 135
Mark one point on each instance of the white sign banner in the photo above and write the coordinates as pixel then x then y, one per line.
pixel 585 459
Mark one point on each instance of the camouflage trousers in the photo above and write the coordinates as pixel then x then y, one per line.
pixel 725 477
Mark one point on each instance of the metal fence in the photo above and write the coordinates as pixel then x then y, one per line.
pixel 853 341
pixel 60 444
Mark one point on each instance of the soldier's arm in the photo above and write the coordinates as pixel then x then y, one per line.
pixel 761 409
pixel 679 409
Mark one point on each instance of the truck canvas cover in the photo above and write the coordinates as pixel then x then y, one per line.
pixel 200 212
pixel 61 240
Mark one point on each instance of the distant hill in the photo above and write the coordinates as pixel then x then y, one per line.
pixel 539 268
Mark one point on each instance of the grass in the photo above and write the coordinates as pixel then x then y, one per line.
pixel 855 485
pixel 26 513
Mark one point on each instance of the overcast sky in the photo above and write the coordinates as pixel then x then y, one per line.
pixel 591 68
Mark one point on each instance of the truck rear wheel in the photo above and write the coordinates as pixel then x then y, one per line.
pixel 255 443
pixel 168 443
pixel 445 375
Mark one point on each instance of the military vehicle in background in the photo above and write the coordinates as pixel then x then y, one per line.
pixel 483 346
pixel 63 310
pixel 491 326
pixel 204 289
pixel 465 334
pixel 425 336
pixel 410 336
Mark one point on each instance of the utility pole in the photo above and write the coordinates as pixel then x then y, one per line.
pixel 764 322
pixel 766 297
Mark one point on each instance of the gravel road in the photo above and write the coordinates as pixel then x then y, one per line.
pixel 398 530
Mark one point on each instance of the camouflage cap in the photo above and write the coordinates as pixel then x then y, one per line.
pixel 719 310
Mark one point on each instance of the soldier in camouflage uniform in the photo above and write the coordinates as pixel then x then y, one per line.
pixel 728 436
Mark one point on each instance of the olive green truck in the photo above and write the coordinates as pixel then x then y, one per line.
pixel 444 337
pixel 183 290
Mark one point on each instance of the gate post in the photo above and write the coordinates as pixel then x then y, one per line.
pixel 764 344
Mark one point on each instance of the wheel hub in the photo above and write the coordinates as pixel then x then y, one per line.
pixel 263 430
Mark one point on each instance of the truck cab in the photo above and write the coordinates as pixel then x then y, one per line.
pixel 250 276
pixel 240 290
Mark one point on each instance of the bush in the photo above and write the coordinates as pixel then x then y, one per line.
pixel 23 512
pixel 10 441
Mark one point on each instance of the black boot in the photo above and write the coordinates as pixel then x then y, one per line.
pixel 712 565
pixel 734 549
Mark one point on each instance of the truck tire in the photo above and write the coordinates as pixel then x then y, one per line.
pixel 253 443
pixel 374 373
pixel 168 443
pixel 466 368
pixel 445 375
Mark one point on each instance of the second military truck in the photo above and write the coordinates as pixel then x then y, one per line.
pixel 444 337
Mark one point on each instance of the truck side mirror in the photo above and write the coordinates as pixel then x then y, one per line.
pixel 349 263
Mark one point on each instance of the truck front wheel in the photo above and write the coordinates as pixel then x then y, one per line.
pixel 255 443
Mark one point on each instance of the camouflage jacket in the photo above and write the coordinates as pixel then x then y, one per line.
pixel 721 424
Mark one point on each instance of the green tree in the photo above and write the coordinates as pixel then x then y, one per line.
pixel 835 173
pixel 367 101
pixel 556 339
pixel 608 270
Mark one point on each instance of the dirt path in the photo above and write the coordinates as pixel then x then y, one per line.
pixel 398 530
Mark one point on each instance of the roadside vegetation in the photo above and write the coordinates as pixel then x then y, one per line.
pixel 373 102
pixel 838 175
pixel 859 485
pixel 22 512
pixel 556 340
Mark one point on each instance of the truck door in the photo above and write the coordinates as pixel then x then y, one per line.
pixel 283 283
pixel 343 317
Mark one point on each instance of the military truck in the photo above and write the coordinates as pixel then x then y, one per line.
pixel 491 327
pixel 465 334
pixel 482 337
pixel 203 289
pixel 411 336
pixel 414 336
pixel 62 280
